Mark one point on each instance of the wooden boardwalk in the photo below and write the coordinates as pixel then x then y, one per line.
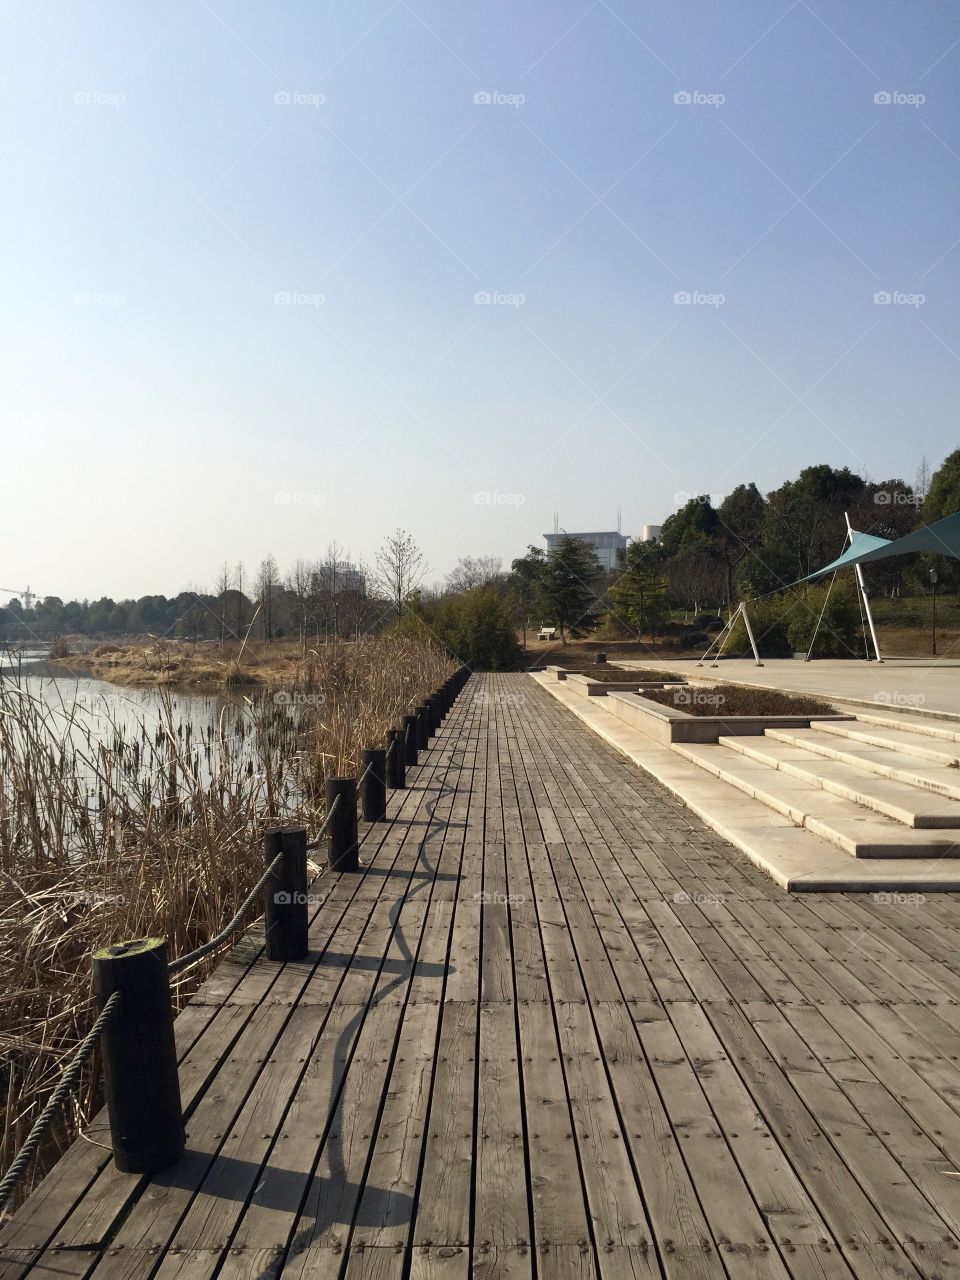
pixel 557 1028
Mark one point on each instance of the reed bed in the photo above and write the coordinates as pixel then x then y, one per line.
pixel 121 825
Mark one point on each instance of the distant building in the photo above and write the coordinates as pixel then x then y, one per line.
pixel 651 532
pixel 606 545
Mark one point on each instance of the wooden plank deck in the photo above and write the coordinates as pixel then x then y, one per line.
pixel 557 1028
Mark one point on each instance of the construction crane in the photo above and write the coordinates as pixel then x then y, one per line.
pixel 27 595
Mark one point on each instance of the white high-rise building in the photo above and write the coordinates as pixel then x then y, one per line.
pixel 607 545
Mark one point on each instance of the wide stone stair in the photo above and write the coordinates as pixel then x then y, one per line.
pixel 874 787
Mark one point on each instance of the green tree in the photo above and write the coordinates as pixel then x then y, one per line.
pixel 568 587
pixel 741 518
pixel 639 595
pixel 526 582
pixel 943 496
pixel 692 528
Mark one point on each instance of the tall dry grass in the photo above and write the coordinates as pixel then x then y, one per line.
pixel 130 827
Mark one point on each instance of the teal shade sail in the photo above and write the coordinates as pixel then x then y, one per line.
pixel 861 544
pixel 942 538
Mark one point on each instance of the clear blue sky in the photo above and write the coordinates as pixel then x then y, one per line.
pixel 159 399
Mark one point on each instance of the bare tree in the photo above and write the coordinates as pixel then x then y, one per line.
pixel 299 583
pixel 475 571
pixel 922 485
pixel 240 600
pixel 222 591
pixel 268 581
pixel 400 568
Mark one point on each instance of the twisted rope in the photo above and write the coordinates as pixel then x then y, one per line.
pixel 68 1082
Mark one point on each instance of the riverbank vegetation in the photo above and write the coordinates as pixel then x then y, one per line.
pixel 115 825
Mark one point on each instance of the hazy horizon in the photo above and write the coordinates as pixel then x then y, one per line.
pixel 278 278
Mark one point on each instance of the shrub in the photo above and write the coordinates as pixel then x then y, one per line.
pixel 475 627
pixel 784 624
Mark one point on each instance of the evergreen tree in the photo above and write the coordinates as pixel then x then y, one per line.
pixel 568 587
pixel 639 595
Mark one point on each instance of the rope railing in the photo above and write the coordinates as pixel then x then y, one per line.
pixel 140 1077
pixel 69 1081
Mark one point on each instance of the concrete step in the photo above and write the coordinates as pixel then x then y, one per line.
pixel 791 856
pixel 924 726
pixel 898 739
pixel 857 831
pixel 901 801
pixel 913 770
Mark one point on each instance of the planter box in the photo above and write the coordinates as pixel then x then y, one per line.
pixel 587 688
pixel 667 725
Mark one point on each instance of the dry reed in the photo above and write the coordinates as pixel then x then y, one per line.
pixel 116 828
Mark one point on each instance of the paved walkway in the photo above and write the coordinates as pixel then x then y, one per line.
pixel 559 1029
pixel 909 684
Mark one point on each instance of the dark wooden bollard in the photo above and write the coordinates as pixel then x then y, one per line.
pixel 285 895
pixel 342 831
pixel 396 769
pixel 433 713
pixel 411 740
pixel 140 1056
pixel 374 784
pixel 423 726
